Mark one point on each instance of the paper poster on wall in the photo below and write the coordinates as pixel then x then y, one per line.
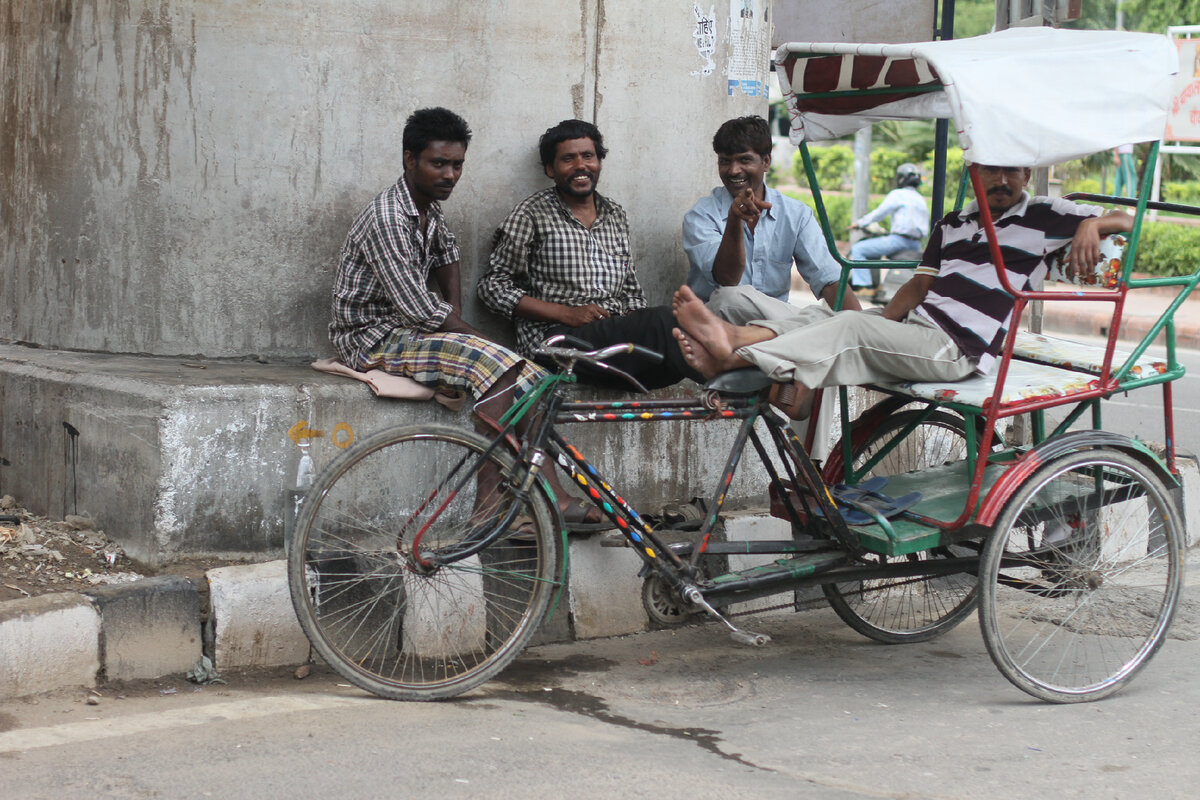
pixel 705 37
pixel 749 28
pixel 1183 117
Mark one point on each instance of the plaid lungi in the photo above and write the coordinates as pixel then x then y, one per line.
pixel 456 361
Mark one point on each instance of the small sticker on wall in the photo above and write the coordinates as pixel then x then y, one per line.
pixel 748 29
pixel 705 37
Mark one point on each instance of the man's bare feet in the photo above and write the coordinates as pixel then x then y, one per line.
pixel 696 356
pixel 703 326
pixel 793 399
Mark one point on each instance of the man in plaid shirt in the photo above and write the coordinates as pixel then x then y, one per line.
pixel 385 315
pixel 561 263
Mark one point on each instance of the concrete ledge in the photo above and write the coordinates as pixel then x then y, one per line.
pixel 176 458
pixel 253 622
pixel 150 628
pixel 48 642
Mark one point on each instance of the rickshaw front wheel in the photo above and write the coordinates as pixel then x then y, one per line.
pixel 1081 576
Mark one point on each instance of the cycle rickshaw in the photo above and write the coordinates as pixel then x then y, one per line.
pixel 414 586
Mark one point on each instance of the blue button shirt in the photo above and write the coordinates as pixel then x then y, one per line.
pixel 788 231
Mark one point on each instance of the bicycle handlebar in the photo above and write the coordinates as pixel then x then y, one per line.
pixel 550 349
pixel 569 356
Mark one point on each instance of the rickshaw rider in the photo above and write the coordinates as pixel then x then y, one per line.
pixel 949 321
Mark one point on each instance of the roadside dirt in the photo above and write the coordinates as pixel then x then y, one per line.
pixel 40 556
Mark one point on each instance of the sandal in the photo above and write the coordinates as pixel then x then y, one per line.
pixel 575 517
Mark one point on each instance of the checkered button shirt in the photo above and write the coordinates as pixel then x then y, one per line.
pixel 381 282
pixel 543 251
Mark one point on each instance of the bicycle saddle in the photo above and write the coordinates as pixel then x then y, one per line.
pixel 748 380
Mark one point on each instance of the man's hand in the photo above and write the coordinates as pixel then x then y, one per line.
pixel 578 316
pixel 546 311
pixel 453 323
pixel 747 208
pixel 1085 247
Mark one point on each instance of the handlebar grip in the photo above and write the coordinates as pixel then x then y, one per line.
pixel 653 356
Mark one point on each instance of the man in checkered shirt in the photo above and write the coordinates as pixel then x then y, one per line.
pixel 561 263
pixel 386 317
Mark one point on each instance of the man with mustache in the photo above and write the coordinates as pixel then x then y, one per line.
pixel 949 321
pixel 561 263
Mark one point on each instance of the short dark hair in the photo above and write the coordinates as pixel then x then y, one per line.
pixel 428 125
pixel 566 130
pixel 742 134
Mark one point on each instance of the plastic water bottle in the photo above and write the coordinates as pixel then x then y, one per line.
pixel 306 474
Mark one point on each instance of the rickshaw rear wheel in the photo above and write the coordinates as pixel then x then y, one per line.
pixel 904 610
pixel 1081 576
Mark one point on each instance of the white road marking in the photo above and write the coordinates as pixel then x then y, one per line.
pixel 20 740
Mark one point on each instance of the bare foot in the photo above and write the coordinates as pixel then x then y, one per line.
pixel 696 356
pixel 703 326
pixel 794 399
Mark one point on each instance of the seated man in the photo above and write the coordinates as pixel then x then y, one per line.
pixel 910 224
pixel 561 263
pixel 745 233
pixel 384 314
pixel 947 322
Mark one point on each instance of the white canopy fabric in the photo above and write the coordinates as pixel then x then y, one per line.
pixel 1021 97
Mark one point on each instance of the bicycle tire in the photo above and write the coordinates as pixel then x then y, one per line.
pixel 1081 576
pixel 372 612
pixel 908 610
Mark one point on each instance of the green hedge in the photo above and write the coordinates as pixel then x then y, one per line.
pixel 1187 192
pixel 836 205
pixel 834 166
pixel 1168 250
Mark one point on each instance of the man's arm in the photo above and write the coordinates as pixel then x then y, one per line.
pixel 1085 246
pixel 449 283
pixel 546 311
pixel 730 262
pixel 849 298
pixel 908 297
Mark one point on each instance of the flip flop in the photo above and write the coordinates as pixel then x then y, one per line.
pixel 575 517
pixel 867 494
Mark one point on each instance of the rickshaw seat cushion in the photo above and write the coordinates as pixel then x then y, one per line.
pixel 1105 274
pixel 1026 381
pixel 1080 356
pixel 748 380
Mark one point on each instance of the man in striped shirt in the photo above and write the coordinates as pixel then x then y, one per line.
pixel 948 321
pixel 561 263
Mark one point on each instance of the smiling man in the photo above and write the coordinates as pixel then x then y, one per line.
pixel 561 263
pixel 748 234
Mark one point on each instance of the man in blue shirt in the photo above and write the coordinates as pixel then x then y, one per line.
pixel 769 231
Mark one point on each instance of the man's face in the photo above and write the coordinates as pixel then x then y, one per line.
pixel 742 170
pixel 433 172
pixel 575 168
pixel 1003 186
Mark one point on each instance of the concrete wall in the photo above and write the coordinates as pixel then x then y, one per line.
pixel 179 174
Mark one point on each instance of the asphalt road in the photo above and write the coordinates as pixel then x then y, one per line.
pixel 819 712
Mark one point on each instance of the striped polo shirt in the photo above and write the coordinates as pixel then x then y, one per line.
pixel 967 300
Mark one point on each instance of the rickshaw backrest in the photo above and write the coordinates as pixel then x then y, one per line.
pixel 1106 273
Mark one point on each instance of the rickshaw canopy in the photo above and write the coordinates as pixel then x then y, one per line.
pixel 1019 97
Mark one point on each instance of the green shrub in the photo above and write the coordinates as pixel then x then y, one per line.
pixel 884 161
pixel 1085 185
pixel 837 206
pixel 1168 250
pixel 834 166
pixel 1187 192
pixel 954 174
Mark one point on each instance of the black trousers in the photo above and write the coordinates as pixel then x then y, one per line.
pixel 648 327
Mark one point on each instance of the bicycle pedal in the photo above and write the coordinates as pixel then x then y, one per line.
pixel 749 637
